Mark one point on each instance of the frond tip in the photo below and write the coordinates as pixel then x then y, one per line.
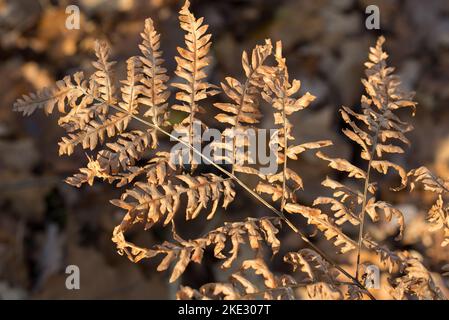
pixel 65 92
pixel 154 90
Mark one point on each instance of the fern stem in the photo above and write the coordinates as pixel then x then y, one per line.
pixel 250 191
pixel 284 118
pixel 365 196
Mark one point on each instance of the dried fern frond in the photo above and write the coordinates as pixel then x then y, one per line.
pixel 103 124
pixel 438 214
pixel 107 168
pixel 412 278
pixel 191 64
pixel 423 176
pixel 240 287
pixel 99 113
pixel 65 92
pixel 257 231
pixel 104 74
pixel 149 203
pixel 313 265
pixel 416 281
pixel 325 224
pixel 243 112
pixel 377 130
pixel 320 285
pixel 390 259
pixel 341 212
pixel 154 91
pixel 280 93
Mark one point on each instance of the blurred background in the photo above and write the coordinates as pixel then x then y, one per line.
pixel 46 225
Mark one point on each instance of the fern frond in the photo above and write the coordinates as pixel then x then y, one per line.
pixel 158 188
pixel 243 112
pixel 64 92
pixel 423 176
pixel 373 207
pixel 416 281
pixel 341 211
pixel 191 64
pixel 122 155
pixel 312 264
pixel 324 224
pixel 279 92
pixel 343 165
pixel 377 130
pixel 104 74
pixel 257 231
pixel 130 87
pixel 95 132
pixel 438 215
pixel 150 203
pixel 269 286
pixel 154 91
pixel 244 108
pixel 241 287
pixel 322 278
pixel 390 259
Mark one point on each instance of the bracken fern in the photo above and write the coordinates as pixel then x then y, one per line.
pixel 98 119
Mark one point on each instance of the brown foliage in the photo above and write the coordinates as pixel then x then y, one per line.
pixel 98 118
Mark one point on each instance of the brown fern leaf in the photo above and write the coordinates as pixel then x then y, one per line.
pixel 324 224
pixel 438 215
pixel 66 91
pixel 191 63
pixel 377 130
pixel 151 203
pixel 244 108
pixel 243 112
pixel 186 251
pixel 428 180
pixel 154 91
pixel 343 165
pixel 341 212
pixel 130 88
pixel 107 168
pixel 104 74
pixel 128 146
pixel 240 287
pixel 279 92
pixel 270 287
pixel 390 259
pixel 106 125
pixel 322 279
pixel 373 207
pixel 379 123
pixel 416 281
pixel 311 264
pixel 95 132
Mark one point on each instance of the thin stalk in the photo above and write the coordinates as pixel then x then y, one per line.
pixel 284 176
pixel 365 196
